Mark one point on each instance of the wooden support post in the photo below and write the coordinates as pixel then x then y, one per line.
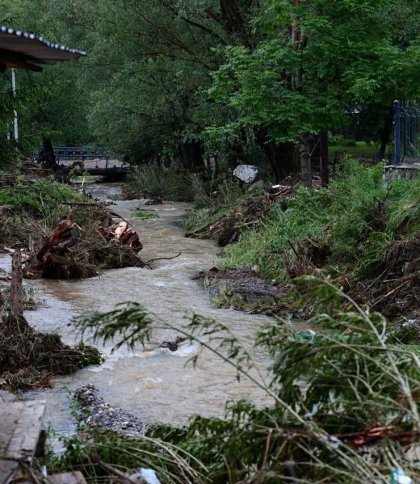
pixel 16 303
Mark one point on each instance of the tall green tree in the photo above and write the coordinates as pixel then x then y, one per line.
pixel 318 61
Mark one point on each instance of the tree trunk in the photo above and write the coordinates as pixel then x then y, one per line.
pixel 16 303
pixel 48 156
pixel 323 158
pixel 192 156
pixel 305 160
pixel 280 156
pixel 233 17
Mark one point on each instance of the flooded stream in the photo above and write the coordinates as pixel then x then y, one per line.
pixel 151 383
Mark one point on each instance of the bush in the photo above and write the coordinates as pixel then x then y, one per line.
pixel 38 198
pixel 350 223
pixel 170 182
pixel 343 402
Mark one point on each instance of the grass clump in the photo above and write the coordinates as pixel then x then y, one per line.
pixel 145 214
pixel 156 180
pixel 38 198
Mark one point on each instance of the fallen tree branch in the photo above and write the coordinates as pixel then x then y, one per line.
pixel 84 204
pixel 112 470
pixel 163 258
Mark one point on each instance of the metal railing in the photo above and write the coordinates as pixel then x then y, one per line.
pixel 406 121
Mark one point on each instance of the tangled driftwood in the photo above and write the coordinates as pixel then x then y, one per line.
pixel 80 245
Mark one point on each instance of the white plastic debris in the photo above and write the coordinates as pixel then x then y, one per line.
pixel 398 476
pixel 334 441
pixel 246 173
pixel 314 411
pixel 149 475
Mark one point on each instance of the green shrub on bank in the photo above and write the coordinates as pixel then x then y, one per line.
pixel 170 182
pixel 38 198
pixel 352 222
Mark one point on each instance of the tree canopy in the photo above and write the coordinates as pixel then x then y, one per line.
pixel 245 80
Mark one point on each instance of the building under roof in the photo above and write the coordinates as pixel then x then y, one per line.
pixel 23 50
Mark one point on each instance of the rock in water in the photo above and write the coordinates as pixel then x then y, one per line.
pixel 246 173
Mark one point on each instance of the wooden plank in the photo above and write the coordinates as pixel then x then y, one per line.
pixel 75 477
pixel 8 469
pixel 20 427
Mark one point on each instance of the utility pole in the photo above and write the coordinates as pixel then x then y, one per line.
pixel 15 117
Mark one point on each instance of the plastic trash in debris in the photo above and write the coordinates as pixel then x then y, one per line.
pixel 246 173
pixel 334 442
pixel 148 475
pixel 398 476
pixel 308 335
pixel 314 411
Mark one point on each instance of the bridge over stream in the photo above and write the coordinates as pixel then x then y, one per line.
pixel 95 161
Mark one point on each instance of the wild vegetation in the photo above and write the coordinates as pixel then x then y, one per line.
pixel 262 79
pixel 344 403
pixel 185 91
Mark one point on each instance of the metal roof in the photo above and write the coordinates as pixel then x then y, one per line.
pixel 27 51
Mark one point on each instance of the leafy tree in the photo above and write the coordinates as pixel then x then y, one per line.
pixel 318 61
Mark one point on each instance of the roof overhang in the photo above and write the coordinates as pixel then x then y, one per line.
pixel 23 50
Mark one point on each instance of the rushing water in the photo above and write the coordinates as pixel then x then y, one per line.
pixel 150 382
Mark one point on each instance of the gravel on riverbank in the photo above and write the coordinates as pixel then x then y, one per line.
pixel 95 413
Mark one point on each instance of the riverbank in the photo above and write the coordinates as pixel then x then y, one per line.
pixel 154 385
pixel 362 234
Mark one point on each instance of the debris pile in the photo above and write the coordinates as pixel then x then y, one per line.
pixel 243 289
pixel 248 214
pixel 397 290
pixel 86 241
pixel 28 358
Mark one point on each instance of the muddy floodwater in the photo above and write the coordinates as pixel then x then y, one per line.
pixel 151 383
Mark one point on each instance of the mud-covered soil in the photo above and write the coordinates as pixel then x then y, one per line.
pixel 244 290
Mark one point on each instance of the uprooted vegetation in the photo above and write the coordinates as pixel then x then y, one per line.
pixel 86 241
pixel 362 233
pixel 64 235
pixel 28 358
pixel 345 404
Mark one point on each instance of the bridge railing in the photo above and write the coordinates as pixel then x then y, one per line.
pixel 100 159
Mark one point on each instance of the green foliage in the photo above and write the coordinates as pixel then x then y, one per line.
pixel 172 462
pixel 211 204
pixel 355 218
pixel 327 392
pixel 339 54
pixel 169 182
pixel 145 214
pixel 39 198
